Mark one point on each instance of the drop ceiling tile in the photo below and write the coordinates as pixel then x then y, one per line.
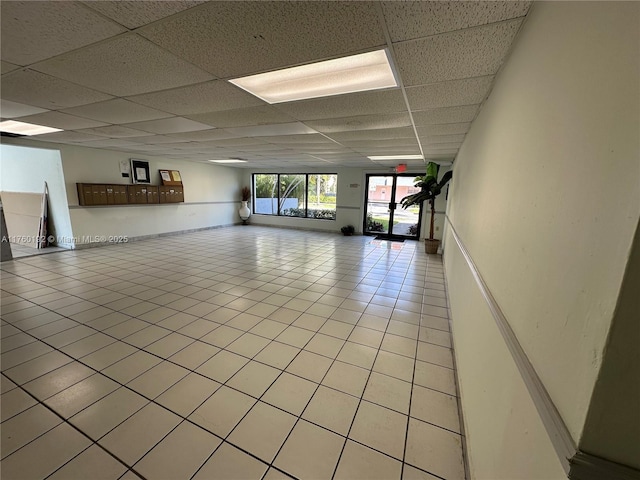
pixel 298 139
pixel 353 104
pixel 398 150
pixel 237 142
pixel 443 146
pixel 155 139
pixel 115 131
pixel 133 14
pixel 415 19
pixel 109 142
pixel 449 94
pixel 385 133
pixel 443 129
pixel 35 88
pixel 126 65
pixel 170 125
pixel 468 53
pixel 360 122
pixel 251 37
pixel 294 128
pixel 390 143
pixel 6 67
pixel 33 31
pixel 463 113
pixel 61 120
pixel 201 98
pixel 13 110
pixel 204 135
pixel 117 110
pixel 261 115
pixel 435 139
pixel 66 137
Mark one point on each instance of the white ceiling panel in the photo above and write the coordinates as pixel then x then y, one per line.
pixel 435 139
pixel 464 113
pixel 252 37
pixel 10 109
pixel 314 138
pixel 262 115
pixel 369 103
pixel 390 143
pixel 360 122
pixel 134 14
pixel 415 19
pixel 114 131
pixel 468 53
pixel 35 88
pixel 62 121
pixel 117 110
pixel 381 134
pixel 201 98
pixel 169 125
pixel 237 142
pixel 67 137
pixel 449 94
pixel 295 128
pixel 125 65
pixel 155 139
pixel 443 129
pixel 34 31
pixel 108 142
pixel 204 135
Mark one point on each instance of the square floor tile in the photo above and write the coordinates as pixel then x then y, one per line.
pixel 366 336
pixel 277 354
pixel 57 380
pixel 254 378
pixel 435 377
pixel 360 462
pixel 412 473
pixel 268 328
pixel 13 402
pixel 291 393
pixel 346 378
pixel 263 431
pixel 157 379
pixel 310 366
pixel 222 411
pixel 244 322
pixel 435 407
pixel 294 336
pixel 25 427
pixel 389 392
pixel 104 415
pixel 194 355
pixel 434 449
pixel 222 366
pixel 222 336
pixel 93 463
pixel 324 345
pixel 310 452
pixel 80 395
pixel 356 354
pixel 309 321
pixel 188 394
pixel 380 428
pixel 230 463
pixel 428 352
pixel 248 345
pixel 332 409
pixel 167 346
pixel 45 454
pixel 180 454
pixel 394 365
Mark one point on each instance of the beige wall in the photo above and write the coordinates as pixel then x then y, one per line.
pixel 212 194
pixel 546 199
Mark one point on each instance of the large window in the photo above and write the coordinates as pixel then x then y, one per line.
pixel 296 195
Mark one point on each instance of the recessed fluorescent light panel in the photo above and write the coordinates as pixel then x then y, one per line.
pixel 228 161
pixel 21 128
pixel 396 157
pixel 357 73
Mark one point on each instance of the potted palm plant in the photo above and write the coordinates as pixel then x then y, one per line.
pixel 430 188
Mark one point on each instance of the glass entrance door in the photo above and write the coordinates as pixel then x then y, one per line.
pixel 383 214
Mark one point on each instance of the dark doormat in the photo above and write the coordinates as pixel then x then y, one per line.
pixel 389 239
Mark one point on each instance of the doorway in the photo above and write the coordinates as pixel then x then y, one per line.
pixel 383 214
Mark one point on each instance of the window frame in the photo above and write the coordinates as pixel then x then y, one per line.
pixel 277 198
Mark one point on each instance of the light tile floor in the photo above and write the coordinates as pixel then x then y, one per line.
pixel 244 352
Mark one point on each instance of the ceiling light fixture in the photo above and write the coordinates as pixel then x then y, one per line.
pixel 231 160
pixel 396 157
pixel 22 128
pixel 356 73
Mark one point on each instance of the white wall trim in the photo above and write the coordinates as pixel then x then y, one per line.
pixel 557 430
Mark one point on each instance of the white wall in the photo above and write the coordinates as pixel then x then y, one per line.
pixel 546 198
pixel 24 169
pixel 211 194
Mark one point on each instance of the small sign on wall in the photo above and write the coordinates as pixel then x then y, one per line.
pixel 140 171
pixel 125 168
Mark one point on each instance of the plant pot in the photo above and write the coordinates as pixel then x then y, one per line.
pixel 431 246
pixel 244 212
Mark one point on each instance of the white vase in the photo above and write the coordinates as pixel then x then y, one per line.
pixel 244 212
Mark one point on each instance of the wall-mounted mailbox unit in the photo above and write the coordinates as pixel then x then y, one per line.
pixel 97 194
